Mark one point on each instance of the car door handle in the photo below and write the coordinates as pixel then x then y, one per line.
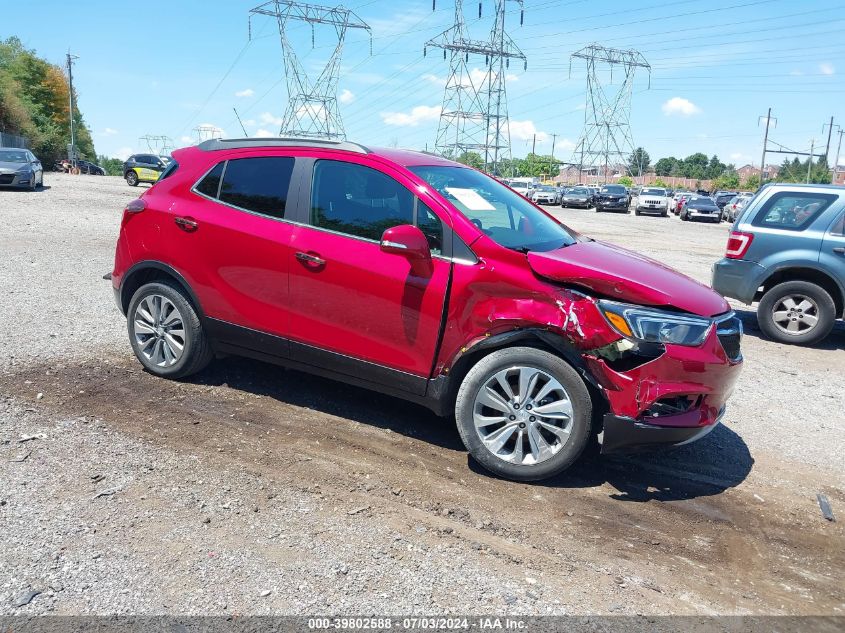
pixel 308 258
pixel 839 250
pixel 186 224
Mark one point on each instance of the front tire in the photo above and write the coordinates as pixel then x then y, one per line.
pixel 131 178
pixel 523 413
pixel 796 312
pixel 165 331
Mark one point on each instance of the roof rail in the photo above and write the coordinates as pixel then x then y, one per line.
pixel 275 141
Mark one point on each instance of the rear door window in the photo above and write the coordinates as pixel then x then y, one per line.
pixel 258 184
pixel 210 184
pixel 792 211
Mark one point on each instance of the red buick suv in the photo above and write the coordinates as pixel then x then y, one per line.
pixel 427 280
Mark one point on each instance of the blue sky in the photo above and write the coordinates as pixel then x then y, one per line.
pixel 165 68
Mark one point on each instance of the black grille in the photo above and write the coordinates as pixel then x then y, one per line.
pixel 6 179
pixel 729 332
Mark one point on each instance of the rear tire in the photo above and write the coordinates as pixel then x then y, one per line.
pixel 775 314
pixel 160 319
pixel 131 178
pixel 536 380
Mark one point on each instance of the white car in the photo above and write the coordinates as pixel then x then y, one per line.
pixel 653 201
pixel 545 195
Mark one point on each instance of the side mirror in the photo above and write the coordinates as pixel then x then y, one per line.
pixel 406 240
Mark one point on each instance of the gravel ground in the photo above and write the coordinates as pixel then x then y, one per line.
pixel 258 490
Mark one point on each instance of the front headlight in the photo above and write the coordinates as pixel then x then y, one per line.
pixel 23 170
pixel 655 326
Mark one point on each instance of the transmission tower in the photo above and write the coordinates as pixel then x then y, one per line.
pixel 474 117
pixel 156 144
pixel 606 138
pixel 312 109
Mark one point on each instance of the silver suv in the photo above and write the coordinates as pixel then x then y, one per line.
pixel 786 251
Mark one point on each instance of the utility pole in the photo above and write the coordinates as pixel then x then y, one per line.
pixel 765 143
pixel 534 145
pixel 838 150
pixel 72 149
pixel 829 133
pixel 551 162
pixel 810 159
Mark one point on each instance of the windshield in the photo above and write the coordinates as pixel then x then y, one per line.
pixel 702 202
pixel 547 189
pixel 13 156
pixel 653 192
pixel 504 216
pixel 579 191
pixel 615 189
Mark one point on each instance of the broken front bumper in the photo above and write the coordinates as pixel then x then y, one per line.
pixel 674 398
pixel 627 435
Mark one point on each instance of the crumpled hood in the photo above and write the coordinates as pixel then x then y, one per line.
pixel 626 276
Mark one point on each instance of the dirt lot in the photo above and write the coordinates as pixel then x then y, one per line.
pixel 252 489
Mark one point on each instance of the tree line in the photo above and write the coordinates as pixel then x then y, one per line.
pixel 35 103
pixel 696 166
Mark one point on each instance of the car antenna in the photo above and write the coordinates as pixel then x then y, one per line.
pixel 239 121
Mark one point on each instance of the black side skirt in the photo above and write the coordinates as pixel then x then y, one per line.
pixel 233 339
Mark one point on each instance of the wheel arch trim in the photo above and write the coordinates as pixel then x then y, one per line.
pixel 142 267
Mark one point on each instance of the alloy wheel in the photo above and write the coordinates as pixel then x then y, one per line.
pixel 159 330
pixel 523 415
pixel 795 314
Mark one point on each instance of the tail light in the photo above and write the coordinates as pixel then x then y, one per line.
pixel 136 206
pixel 738 243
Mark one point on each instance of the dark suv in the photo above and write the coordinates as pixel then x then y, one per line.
pixel 787 252
pixel 144 168
pixel 427 280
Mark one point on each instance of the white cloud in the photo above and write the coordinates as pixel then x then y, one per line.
pixel 186 139
pixel 123 153
pixel 434 79
pixel 248 92
pixel 268 119
pixel 680 106
pixel 346 96
pixel 476 78
pixel 262 133
pixel 525 131
pixel 417 115
pixel 827 68
pixel 249 123
pixel 109 132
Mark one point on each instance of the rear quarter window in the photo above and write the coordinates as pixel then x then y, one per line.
pixel 792 211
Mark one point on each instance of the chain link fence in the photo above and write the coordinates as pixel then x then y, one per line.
pixel 13 140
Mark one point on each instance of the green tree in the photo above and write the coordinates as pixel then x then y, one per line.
pixel 728 180
pixel 34 96
pixel 694 166
pixel 113 166
pixel 659 182
pixel 638 162
pixel 473 159
pixel 666 166
pixel 751 183
pixel 626 181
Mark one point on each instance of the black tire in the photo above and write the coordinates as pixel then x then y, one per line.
pixel 197 352
pixel 554 366
pixel 636 212
pixel 825 312
pixel 131 178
